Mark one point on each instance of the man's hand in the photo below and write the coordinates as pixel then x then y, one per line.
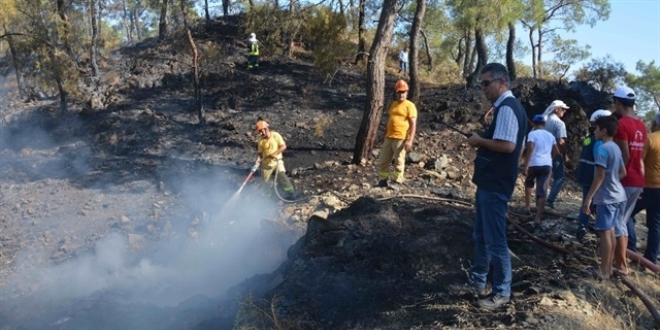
pixel 474 140
pixel 525 170
pixel 408 145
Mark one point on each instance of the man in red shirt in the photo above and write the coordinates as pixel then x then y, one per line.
pixel 630 137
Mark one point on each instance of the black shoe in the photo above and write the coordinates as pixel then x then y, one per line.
pixel 382 184
pixel 493 302
pixel 550 205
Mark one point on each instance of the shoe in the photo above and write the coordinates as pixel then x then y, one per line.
pixel 550 205
pixel 382 184
pixel 493 302
pixel 394 186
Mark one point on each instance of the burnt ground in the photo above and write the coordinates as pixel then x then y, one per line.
pixel 112 217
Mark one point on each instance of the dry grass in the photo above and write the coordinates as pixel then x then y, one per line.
pixel 266 315
pixel 320 124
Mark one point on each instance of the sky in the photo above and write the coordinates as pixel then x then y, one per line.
pixel 632 33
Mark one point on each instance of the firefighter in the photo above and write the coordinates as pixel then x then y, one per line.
pixel 399 137
pixel 270 148
pixel 253 52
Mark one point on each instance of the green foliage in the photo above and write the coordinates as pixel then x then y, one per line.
pixel 566 52
pixel 647 84
pixel 274 27
pixel 327 32
pixel 602 73
pixel 523 70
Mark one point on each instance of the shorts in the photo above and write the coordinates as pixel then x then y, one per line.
pixel 540 174
pixel 607 215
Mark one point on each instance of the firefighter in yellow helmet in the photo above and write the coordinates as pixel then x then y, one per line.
pixel 253 52
pixel 270 148
pixel 399 137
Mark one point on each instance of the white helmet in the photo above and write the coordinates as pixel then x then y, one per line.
pixel 599 113
pixel 253 35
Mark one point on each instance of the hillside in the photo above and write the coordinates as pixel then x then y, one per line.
pixel 113 217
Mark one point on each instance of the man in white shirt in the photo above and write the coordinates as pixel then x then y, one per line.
pixel 403 61
pixel 557 127
pixel 541 148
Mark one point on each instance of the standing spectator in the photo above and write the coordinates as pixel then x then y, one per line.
pixel 606 191
pixel 495 173
pixel 650 200
pixel 399 137
pixel 403 61
pixel 556 126
pixel 585 170
pixel 541 147
pixel 630 137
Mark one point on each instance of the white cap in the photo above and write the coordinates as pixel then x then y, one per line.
pixel 599 113
pixel 558 104
pixel 624 92
pixel 253 35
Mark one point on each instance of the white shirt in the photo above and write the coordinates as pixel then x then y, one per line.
pixel 403 56
pixel 543 143
pixel 506 127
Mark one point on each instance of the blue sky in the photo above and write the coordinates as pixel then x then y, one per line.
pixel 631 33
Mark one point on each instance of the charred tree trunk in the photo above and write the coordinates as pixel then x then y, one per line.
pixel 375 82
pixel 414 50
pixel 341 7
pixel 65 27
pixel 127 20
pixel 428 52
pixel 207 15
pixel 195 56
pixel 538 54
pixel 531 42
pixel 469 54
pixel 362 43
pixel 461 49
pixel 482 55
pixel 162 25
pixel 225 7
pixel 95 39
pixel 510 63
pixel 15 62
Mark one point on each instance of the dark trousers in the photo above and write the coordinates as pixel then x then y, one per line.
pixel 650 202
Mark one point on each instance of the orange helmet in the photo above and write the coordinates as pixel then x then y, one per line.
pixel 261 125
pixel 401 86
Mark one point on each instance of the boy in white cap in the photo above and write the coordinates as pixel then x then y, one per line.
pixel 556 126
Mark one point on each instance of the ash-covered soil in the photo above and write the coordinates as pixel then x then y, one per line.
pixel 113 217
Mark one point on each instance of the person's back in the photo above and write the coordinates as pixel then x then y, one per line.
pixel 611 190
pixel 543 142
pixel 633 130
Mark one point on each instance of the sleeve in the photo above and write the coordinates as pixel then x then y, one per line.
pixel 279 139
pixel 597 145
pixel 531 137
pixel 600 157
pixel 561 130
pixel 507 125
pixel 412 111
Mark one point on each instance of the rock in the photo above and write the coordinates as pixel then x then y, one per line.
pixel 332 201
pixel 323 214
pixel 136 241
pixel 415 157
pixel 441 162
pixel 353 187
pixel 375 152
pixel 453 172
pixel 442 175
pixel 125 219
pixel 302 125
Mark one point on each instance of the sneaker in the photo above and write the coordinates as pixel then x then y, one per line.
pixel 382 184
pixel 550 205
pixel 493 302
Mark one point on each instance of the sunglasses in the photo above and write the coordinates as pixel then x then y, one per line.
pixel 486 83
